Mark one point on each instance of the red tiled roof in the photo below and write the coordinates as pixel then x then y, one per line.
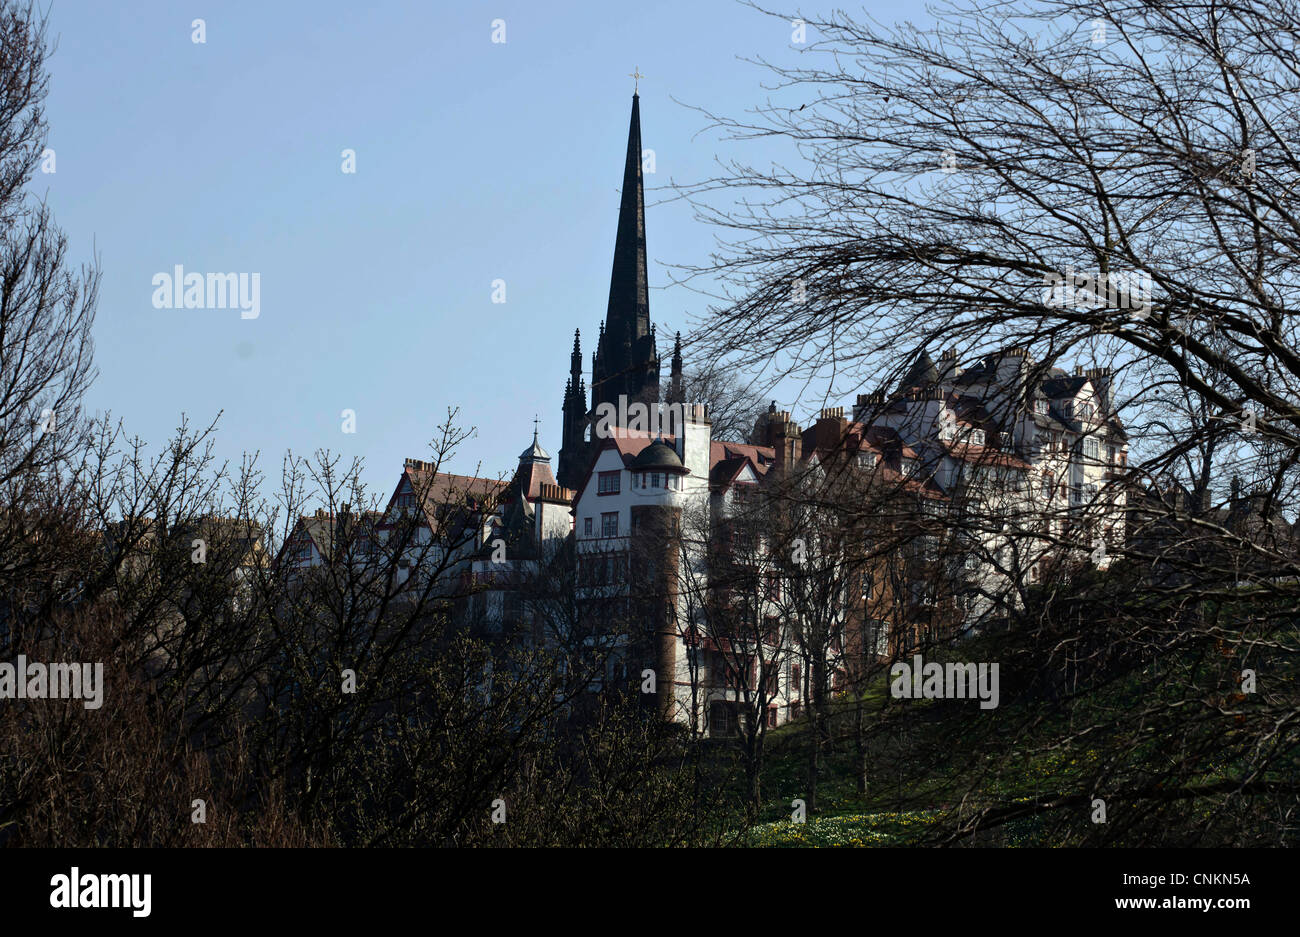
pixel 629 443
pixel 443 491
pixel 760 456
pixel 531 477
pixel 983 455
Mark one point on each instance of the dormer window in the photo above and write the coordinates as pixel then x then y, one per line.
pixel 1040 406
pixel 977 437
pixel 866 459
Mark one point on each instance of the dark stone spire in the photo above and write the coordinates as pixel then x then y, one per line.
pixel 629 285
pixel 627 362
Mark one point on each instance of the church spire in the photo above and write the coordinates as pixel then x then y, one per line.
pixel 627 361
pixel 624 361
pixel 629 291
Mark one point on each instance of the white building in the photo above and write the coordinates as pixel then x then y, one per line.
pixel 1031 458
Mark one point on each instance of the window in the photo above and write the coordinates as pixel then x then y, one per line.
pixel 1040 406
pixel 977 437
pixel 1090 448
pixel 771 717
pixel 721 674
pixel 609 524
pixel 654 479
pixel 586 526
pixel 607 483
pixel 723 719
pixel 610 568
pixel 972 561
pixel 878 635
pixel 772 631
pixel 773 590
pixel 796 674
pixel 1049 488
pixel 1111 455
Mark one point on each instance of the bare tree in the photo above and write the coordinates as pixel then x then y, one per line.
pixel 734 405
pixel 1110 181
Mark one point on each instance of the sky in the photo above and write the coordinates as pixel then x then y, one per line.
pixel 475 161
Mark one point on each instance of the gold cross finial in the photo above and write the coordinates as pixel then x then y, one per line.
pixel 636 77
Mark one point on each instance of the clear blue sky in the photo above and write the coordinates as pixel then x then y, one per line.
pixel 475 161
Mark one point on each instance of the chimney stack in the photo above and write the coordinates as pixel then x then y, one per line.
pixel 830 429
pixel 1100 378
pixel 786 440
pixel 947 367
